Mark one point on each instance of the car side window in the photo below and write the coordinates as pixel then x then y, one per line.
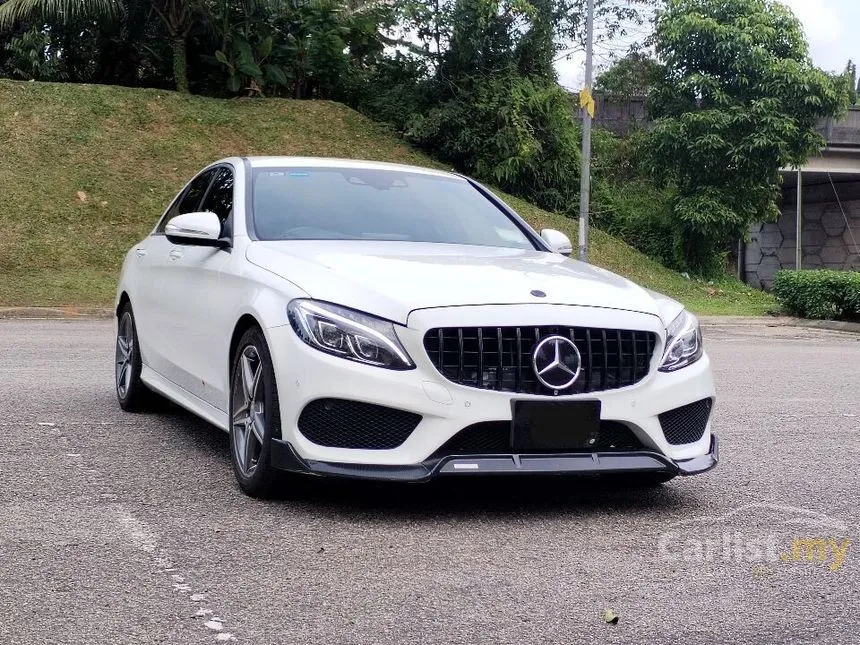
pixel 189 202
pixel 219 199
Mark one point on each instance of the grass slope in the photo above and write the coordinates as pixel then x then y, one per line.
pixel 87 170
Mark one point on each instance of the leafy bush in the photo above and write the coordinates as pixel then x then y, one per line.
pixel 626 204
pixel 640 214
pixel 393 92
pixel 513 131
pixel 822 294
pixel 27 58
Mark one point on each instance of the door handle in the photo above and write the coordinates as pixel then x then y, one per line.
pixel 175 254
pixel 140 252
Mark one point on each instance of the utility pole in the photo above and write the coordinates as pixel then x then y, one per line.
pixel 585 180
pixel 798 253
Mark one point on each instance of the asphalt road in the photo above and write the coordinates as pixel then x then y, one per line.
pixel 118 528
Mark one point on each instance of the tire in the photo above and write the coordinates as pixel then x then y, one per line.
pixel 255 415
pixel 132 394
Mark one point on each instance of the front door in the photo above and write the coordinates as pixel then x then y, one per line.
pixel 157 325
pixel 202 318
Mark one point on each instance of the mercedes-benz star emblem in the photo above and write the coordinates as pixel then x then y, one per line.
pixel 556 362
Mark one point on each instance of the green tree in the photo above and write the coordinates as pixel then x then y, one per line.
pixel 738 101
pixel 629 77
pixel 177 17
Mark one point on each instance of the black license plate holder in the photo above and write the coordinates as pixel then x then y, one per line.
pixel 555 426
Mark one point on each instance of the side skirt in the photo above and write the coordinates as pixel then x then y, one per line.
pixel 183 398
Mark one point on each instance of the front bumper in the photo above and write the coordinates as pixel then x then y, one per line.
pixel 305 375
pixel 285 458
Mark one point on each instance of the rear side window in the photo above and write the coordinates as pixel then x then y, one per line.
pixel 219 199
pixel 189 202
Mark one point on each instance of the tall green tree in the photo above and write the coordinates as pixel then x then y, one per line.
pixel 176 16
pixel 738 100
pixel 631 76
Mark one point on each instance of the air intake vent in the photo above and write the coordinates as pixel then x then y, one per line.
pixel 686 424
pixel 338 423
pixel 494 438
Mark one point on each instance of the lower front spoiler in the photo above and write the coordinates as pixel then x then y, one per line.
pixel 285 458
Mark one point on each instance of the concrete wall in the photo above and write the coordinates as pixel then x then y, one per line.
pixel 619 116
pixel 845 131
pixel 826 242
pixel 623 116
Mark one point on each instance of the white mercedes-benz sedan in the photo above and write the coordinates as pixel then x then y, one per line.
pixel 371 320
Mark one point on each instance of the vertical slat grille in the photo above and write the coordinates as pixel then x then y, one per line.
pixel 480 370
pixel 500 358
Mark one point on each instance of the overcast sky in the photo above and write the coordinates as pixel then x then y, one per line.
pixel 830 25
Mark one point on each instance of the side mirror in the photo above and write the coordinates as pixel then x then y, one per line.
pixel 196 229
pixel 557 241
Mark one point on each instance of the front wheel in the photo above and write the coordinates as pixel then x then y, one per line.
pixel 254 415
pixel 132 394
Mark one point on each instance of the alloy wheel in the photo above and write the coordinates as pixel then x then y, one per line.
pixel 249 424
pixel 124 354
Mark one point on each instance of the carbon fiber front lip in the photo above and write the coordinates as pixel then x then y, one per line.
pixel 285 458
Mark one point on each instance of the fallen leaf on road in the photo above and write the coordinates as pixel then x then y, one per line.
pixel 610 617
pixel 761 570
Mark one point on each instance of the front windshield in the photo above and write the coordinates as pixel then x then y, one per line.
pixel 371 204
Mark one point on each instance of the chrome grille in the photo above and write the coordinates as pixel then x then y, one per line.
pixel 500 358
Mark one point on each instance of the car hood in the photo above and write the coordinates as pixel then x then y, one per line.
pixel 393 279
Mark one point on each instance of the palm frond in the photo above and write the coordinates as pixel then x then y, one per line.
pixel 12 11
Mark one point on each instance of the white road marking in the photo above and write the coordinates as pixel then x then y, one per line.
pixel 142 537
pixel 145 539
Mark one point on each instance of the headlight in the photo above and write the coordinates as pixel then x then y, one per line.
pixel 683 343
pixel 348 333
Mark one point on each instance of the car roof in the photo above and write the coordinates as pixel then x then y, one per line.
pixel 325 162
